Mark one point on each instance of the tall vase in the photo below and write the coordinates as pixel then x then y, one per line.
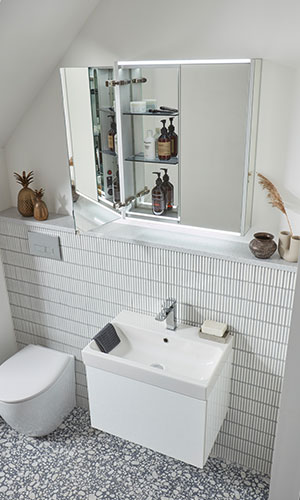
pixel 288 246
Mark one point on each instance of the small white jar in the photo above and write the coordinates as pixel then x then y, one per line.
pixel 138 107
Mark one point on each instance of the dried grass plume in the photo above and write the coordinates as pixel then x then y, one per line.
pixel 274 197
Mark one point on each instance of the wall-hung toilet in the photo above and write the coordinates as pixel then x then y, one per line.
pixel 37 389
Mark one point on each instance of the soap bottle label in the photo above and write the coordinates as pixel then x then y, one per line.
pixel 111 144
pixel 164 148
pixel 158 203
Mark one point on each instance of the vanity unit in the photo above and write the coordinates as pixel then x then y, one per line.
pixel 166 390
pixel 213 105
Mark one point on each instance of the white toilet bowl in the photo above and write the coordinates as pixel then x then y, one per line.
pixel 37 389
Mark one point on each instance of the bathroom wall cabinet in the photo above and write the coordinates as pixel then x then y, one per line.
pixel 215 105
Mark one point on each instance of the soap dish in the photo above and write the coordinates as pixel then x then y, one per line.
pixel 214 338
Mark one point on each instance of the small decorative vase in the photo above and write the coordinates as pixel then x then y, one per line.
pixel 40 210
pixel 263 245
pixel 288 246
pixel 26 195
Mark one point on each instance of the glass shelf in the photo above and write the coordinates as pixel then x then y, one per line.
pixel 108 152
pixel 107 110
pixel 147 113
pixel 146 211
pixel 140 158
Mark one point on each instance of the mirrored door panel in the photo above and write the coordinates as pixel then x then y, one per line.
pixel 89 105
pixel 214 127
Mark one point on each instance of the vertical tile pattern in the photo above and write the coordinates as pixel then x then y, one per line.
pixel 63 304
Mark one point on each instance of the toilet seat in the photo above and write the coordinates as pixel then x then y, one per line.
pixel 30 372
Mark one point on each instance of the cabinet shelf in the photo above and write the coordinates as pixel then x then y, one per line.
pixel 140 158
pixel 108 152
pixel 107 110
pixel 146 212
pixel 147 113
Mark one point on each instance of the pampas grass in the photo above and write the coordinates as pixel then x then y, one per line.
pixel 274 197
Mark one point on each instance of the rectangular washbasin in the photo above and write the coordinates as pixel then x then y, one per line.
pixel 176 360
pixel 166 390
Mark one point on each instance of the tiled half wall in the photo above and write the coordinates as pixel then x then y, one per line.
pixel 62 304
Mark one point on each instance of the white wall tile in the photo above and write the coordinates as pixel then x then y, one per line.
pixel 62 304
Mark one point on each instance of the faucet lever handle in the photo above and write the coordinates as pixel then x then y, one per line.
pixel 169 303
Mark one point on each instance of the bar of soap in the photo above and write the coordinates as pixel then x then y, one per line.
pixel 214 328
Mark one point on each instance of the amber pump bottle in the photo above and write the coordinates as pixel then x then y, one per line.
pixel 164 143
pixel 158 196
pixel 168 189
pixel 173 138
pixel 116 188
pixel 111 134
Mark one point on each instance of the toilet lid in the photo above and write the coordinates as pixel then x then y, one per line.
pixel 30 372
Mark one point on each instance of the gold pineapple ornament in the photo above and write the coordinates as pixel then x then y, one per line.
pixel 26 194
pixel 40 211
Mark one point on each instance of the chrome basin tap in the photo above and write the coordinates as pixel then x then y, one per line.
pixel 169 313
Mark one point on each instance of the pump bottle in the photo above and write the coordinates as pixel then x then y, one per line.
pixel 168 189
pixel 173 138
pixel 164 143
pixel 158 197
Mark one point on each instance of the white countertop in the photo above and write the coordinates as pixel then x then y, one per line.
pixel 224 246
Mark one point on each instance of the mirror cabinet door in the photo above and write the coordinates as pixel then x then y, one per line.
pixel 214 127
pixel 92 145
pixel 81 143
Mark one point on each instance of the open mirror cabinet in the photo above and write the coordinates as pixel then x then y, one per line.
pixel 171 141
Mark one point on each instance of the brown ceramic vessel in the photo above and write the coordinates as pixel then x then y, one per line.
pixel 263 245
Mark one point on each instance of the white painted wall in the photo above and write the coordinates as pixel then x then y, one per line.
pixel 7 336
pixel 202 29
pixel 39 144
pixel 33 35
pixel 5 198
pixel 277 107
pixel 285 483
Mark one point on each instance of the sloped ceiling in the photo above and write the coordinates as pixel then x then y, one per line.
pixel 34 35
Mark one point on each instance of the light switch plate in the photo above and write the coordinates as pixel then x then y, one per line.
pixel 44 245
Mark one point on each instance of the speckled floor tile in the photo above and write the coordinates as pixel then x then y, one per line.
pixel 77 462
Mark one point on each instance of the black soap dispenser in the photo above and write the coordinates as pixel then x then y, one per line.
pixel 168 189
pixel 173 138
pixel 164 143
pixel 158 196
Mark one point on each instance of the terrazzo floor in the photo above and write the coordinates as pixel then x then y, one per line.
pixel 77 462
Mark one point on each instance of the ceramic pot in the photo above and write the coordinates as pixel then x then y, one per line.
pixel 288 246
pixel 26 202
pixel 263 245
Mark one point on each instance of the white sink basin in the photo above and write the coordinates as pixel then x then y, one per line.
pixel 179 361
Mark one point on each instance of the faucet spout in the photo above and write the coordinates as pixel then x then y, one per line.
pixel 169 313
